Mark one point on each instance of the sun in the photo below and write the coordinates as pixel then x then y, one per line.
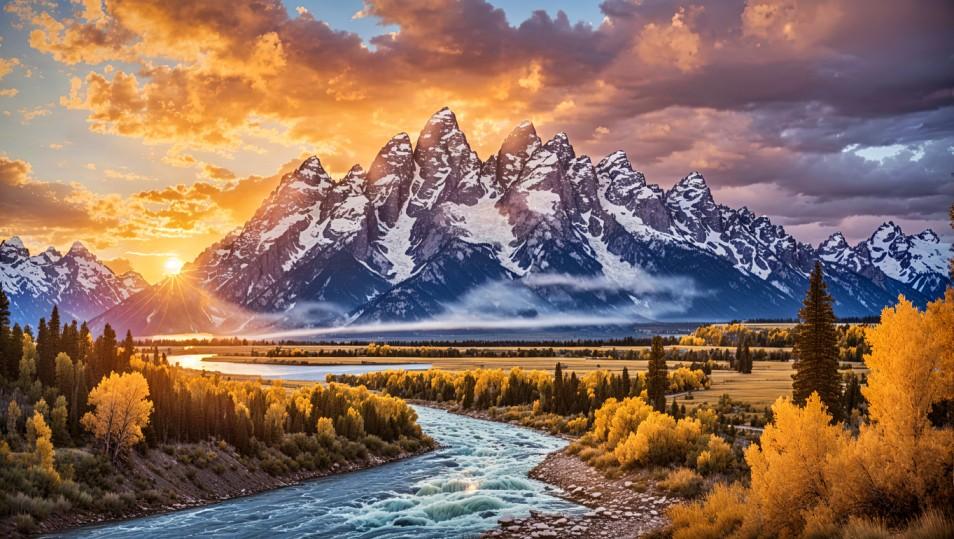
pixel 173 265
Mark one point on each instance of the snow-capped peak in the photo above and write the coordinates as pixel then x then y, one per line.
pixel 886 233
pixel 79 250
pixel 929 236
pixel 15 242
pixel 834 242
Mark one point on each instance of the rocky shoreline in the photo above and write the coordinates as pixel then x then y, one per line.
pixel 623 507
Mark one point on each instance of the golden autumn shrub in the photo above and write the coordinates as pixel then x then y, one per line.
pixel 717 456
pixel 683 482
pixel 718 515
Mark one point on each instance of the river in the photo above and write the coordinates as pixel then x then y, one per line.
pixel 460 490
pixel 285 372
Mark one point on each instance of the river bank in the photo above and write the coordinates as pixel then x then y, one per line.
pixel 187 476
pixel 628 506
pixel 476 476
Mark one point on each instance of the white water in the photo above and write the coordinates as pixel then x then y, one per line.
pixel 285 372
pixel 477 476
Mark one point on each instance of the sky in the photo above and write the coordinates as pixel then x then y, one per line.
pixel 149 129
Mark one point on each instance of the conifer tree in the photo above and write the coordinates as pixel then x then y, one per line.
pixel 105 354
pixel 5 335
pixel 53 328
pixel 559 397
pixel 657 377
pixel 14 349
pixel 625 382
pixel 816 347
pixel 128 348
pixel 745 367
pixel 45 362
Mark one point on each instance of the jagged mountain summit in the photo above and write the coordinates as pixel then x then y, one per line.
pixel 431 231
pixel 78 282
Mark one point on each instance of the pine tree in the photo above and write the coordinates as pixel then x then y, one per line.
pixel 13 352
pixel 625 382
pixel 816 348
pixel 104 360
pixel 657 378
pixel 5 335
pixel 45 363
pixel 129 347
pixel 53 329
pixel 746 364
pixel 559 399
pixel 735 362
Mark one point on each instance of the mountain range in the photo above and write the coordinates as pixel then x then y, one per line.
pixel 78 282
pixel 534 232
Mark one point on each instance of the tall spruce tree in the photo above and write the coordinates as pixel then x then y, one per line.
pixel 816 347
pixel 5 335
pixel 559 402
pixel 53 328
pixel 745 363
pixel 657 378
pixel 45 364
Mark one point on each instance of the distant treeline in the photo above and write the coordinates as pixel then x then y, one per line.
pixel 475 343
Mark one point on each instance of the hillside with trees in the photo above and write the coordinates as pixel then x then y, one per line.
pixel 93 429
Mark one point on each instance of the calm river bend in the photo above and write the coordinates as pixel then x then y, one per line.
pixel 460 490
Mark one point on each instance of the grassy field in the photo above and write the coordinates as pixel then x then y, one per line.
pixel 768 380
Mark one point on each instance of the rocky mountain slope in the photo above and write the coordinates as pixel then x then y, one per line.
pixel 78 282
pixel 429 231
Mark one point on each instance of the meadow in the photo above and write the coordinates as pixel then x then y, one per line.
pixel 768 380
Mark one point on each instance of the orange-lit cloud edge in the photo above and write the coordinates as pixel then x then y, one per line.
pixel 744 93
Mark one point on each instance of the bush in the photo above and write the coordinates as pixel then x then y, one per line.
pixel 577 425
pixel 24 523
pixel 112 503
pixel 683 482
pixel 717 457
pixel 720 514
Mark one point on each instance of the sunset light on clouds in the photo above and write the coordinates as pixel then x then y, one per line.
pixel 144 128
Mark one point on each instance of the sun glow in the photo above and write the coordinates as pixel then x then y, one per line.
pixel 172 266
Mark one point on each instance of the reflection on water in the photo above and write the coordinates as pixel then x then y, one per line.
pixel 285 372
pixel 460 490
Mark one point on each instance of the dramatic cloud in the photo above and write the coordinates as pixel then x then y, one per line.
pixel 821 113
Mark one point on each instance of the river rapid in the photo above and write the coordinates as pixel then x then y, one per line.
pixel 478 475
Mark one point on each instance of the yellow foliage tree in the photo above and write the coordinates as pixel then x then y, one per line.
pixel 810 478
pixel 122 409
pixel 788 480
pixel 901 463
pixel 42 444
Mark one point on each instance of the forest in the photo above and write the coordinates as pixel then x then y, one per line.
pixel 80 413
